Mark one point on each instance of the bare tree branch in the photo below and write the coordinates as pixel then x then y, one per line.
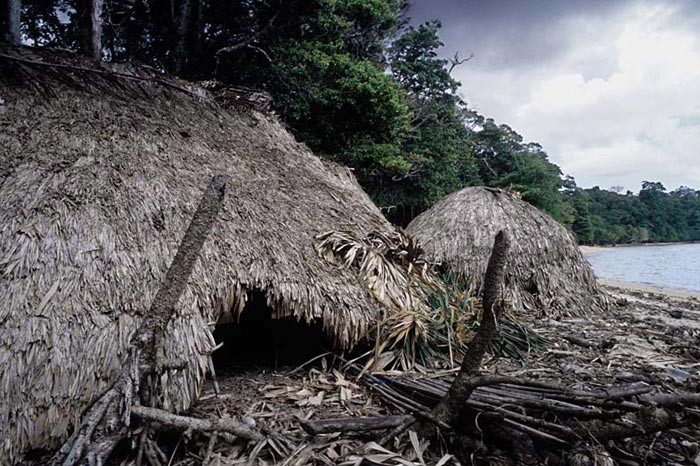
pixel 455 61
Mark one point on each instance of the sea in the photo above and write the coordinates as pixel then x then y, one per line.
pixel 674 266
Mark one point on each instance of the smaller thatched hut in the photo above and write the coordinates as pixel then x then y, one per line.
pixel 545 271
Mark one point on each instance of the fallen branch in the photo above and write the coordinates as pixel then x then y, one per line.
pixel 579 342
pixel 354 424
pixel 227 425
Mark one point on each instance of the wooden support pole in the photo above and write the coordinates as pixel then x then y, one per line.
pixel 105 423
pixel 448 410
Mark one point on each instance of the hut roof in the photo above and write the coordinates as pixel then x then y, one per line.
pixel 545 271
pixel 101 170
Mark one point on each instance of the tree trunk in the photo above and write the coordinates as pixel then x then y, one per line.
pixel 10 21
pixel 90 24
pixel 450 408
pixel 186 25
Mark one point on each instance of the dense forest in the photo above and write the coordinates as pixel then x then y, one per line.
pixel 652 215
pixel 360 85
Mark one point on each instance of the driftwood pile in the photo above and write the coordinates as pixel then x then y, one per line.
pixel 536 420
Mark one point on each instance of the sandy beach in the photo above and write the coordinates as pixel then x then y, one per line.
pixel 591 249
pixel 648 288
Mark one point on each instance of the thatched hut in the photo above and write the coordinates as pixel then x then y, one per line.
pixel 101 169
pixel 545 272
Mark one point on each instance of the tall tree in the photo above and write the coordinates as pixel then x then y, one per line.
pixel 10 21
pixel 187 18
pixel 90 24
pixel 436 145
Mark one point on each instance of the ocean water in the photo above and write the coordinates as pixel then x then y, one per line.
pixel 674 266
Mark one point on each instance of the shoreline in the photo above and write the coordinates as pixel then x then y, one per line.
pixel 649 288
pixel 637 286
pixel 588 249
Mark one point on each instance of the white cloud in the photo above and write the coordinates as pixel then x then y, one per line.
pixel 619 106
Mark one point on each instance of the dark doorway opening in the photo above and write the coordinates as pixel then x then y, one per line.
pixel 256 341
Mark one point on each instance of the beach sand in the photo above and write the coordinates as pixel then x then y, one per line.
pixel 648 288
pixel 591 249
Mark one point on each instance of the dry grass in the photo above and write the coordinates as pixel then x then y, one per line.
pixel 546 272
pixel 99 177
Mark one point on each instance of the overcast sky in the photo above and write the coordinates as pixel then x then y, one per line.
pixel 611 89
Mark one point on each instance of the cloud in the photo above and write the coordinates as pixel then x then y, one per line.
pixel 613 94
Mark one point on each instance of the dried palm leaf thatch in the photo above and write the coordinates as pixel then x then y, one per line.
pixel 546 271
pixel 100 174
pixel 425 321
pixel 429 317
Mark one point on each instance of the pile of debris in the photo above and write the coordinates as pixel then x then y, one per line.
pixel 588 398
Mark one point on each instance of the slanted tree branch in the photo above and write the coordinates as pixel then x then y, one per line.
pixel 108 419
pixel 452 406
pixel 456 61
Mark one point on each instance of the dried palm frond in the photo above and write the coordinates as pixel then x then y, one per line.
pixel 429 317
pixel 390 264
pixel 422 319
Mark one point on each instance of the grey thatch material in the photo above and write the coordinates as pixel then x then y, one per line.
pixel 545 271
pixel 99 177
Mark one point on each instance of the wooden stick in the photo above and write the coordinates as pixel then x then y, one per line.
pixel 145 345
pixel 227 425
pixel 450 407
pixel 354 424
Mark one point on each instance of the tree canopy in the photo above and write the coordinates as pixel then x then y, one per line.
pixel 359 85
pixel 651 215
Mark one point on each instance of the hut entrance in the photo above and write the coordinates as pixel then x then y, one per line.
pixel 256 341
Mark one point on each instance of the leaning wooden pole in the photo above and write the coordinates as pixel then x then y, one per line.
pixel 90 25
pixel 107 420
pixel 451 407
pixel 180 269
pixel 10 11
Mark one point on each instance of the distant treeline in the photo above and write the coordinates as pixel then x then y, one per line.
pixel 652 215
pixel 359 85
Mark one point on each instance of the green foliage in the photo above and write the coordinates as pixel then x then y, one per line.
pixel 504 160
pixel 359 87
pixel 652 215
pixel 436 144
pixel 334 101
pixel 416 66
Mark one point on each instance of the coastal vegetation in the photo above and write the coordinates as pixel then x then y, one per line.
pixel 651 215
pixel 360 85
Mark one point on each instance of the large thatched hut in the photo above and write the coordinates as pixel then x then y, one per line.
pixel 545 272
pixel 101 170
